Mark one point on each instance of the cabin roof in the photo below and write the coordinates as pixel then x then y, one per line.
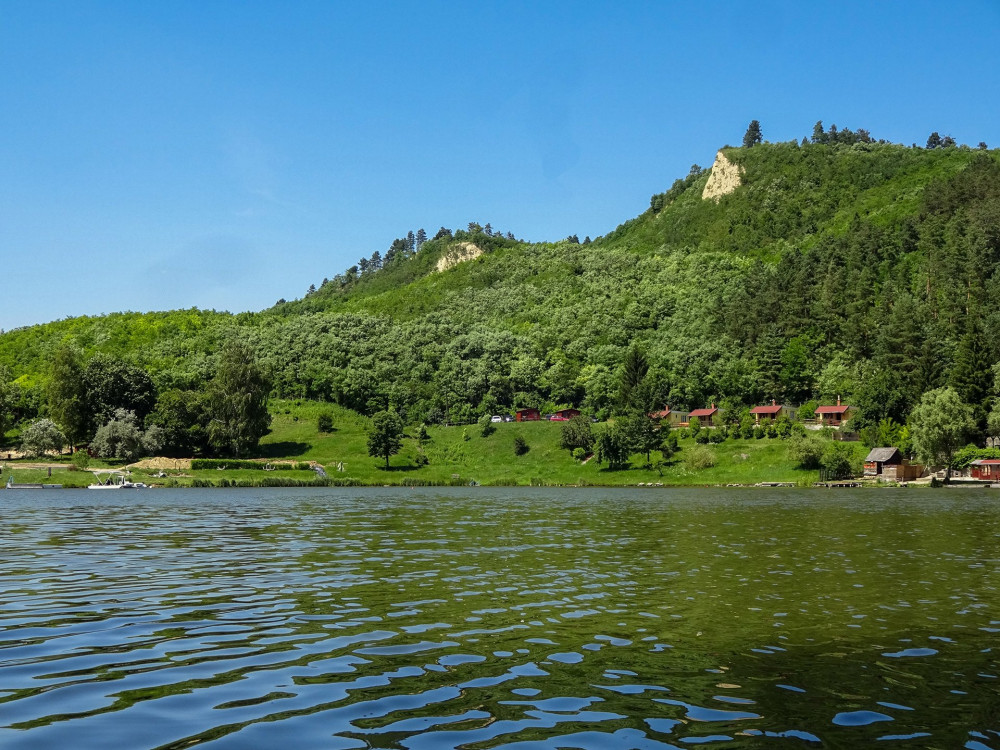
pixel 881 455
pixel 704 412
pixel 770 409
pixel 834 409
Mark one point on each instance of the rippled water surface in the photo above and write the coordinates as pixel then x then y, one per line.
pixel 500 617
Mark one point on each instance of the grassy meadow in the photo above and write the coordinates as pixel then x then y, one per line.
pixel 455 455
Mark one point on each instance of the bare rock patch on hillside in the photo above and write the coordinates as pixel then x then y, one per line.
pixel 725 178
pixel 458 253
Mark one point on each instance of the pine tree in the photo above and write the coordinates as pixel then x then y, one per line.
pixel 633 373
pixel 753 135
pixel 971 374
pixel 421 238
pixel 819 135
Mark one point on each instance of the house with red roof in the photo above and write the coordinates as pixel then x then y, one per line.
pixel 985 468
pixel 834 415
pixel 674 417
pixel 769 413
pixel 706 417
pixel 528 415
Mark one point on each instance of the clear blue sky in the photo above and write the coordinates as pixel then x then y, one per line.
pixel 225 154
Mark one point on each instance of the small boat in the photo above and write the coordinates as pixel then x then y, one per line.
pixel 115 481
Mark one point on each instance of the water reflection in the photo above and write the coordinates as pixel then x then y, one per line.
pixel 515 618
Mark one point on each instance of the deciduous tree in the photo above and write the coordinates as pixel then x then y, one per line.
pixel 386 436
pixel 238 401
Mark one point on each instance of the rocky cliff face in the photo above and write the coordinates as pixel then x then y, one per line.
pixel 458 253
pixel 725 178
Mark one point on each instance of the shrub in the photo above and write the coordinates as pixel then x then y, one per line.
pixel 486 426
pixel 80 460
pixel 838 461
pixel 324 422
pixel 520 446
pixel 701 437
pixel 771 431
pixel 758 432
pixel 579 453
pixel 576 433
pixel 699 457
pixel 717 436
pixel 806 450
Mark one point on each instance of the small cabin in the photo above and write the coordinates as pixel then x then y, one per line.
pixel 769 413
pixel 564 415
pixel 706 417
pixel 674 417
pixel 985 468
pixel 528 415
pixel 834 415
pixel 879 459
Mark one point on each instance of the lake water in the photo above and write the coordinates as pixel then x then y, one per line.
pixel 523 618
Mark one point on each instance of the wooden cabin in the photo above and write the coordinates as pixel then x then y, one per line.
pixel 528 415
pixel 879 458
pixel 564 415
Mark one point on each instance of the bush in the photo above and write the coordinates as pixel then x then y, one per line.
pixel 838 461
pixel 747 431
pixel 80 460
pixel 717 436
pixel 576 433
pixel 324 422
pixel 806 451
pixel 758 432
pixel 486 426
pixel 579 453
pixel 701 437
pixel 772 431
pixel 520 446
pixel 699 457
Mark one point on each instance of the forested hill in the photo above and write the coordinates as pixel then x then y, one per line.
pixel 867 271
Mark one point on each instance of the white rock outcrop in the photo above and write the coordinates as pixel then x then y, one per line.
pixel 458 253
pixel 725 178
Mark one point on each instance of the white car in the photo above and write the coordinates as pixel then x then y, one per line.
pixel 496 418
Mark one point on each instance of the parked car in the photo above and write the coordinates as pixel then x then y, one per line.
pixel 496 418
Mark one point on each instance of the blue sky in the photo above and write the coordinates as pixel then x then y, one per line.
pixel 225 154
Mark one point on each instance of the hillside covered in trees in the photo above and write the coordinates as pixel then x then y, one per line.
pixel 839 266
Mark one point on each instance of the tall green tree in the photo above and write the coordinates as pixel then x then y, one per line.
pixel 8 393
pixel 67 394
pixel 386 436
pixel 753 135
pixel 238 401
pixel 114 384
pixel 971 374
pixel 631 378
pixel 939 425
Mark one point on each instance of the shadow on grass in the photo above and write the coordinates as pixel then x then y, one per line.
pixel 284 449
pixel 399 468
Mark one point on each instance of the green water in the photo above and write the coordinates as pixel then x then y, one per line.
pixel 481 617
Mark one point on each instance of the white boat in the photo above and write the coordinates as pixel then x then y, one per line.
pixel 115 481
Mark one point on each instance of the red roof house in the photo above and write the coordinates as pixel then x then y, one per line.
pixel 985 468
pixel 673 416
pixel 834 416
pixel 528 415
pixel 705 416
pixel 771 413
